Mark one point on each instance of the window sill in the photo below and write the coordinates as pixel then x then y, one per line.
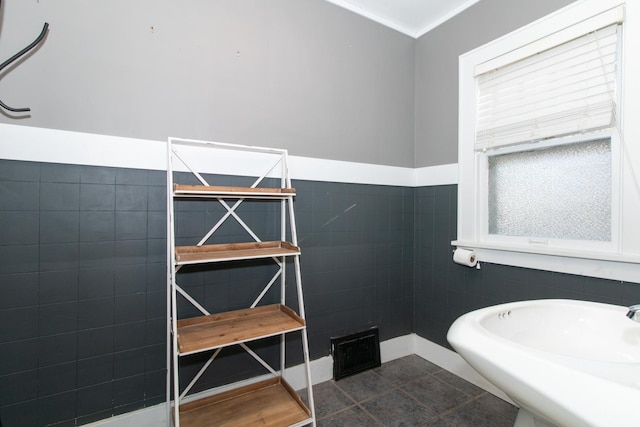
pixel 606 266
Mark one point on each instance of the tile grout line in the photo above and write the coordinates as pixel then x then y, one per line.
pixel 393 387
pixel 393 382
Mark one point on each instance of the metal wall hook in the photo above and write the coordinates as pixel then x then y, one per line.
pixel 17 56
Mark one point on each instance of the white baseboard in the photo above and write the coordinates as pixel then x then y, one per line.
pixel 454 363
pixel 153 416
pixel 322 370
pixel 396 348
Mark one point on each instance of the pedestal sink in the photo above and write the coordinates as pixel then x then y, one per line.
pixel 564 362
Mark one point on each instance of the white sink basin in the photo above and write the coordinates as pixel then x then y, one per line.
pixel 568 363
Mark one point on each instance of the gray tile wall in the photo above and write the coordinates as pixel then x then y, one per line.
pixel 444 290
pixel 82 281
pixel 357 259
pixel 82 267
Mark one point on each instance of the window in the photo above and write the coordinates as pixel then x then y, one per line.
pixel 540 193
pixel 546 177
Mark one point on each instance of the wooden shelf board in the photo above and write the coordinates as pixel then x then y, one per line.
pixel 267 403
pixel 201 333
pixel 213 191
pixel 233 251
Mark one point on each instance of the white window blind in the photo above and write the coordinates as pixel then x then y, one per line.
pixel 564 90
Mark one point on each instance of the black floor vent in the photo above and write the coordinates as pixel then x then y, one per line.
pixel 355 353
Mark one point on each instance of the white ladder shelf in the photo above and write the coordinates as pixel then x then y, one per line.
pixel 270 402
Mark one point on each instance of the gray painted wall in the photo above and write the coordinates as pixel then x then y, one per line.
pixel 304 75
pixel 436 61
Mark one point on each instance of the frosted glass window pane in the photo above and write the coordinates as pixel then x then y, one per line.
pixel 561 192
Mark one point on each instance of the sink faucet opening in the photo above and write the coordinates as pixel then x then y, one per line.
pixel 634 313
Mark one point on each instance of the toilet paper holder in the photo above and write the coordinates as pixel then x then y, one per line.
pixel 466 257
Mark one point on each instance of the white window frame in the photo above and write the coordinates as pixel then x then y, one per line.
pixel 618 259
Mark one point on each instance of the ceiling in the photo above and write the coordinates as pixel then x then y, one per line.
pixel 411 17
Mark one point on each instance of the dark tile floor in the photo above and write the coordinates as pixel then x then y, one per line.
pixel 408 392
